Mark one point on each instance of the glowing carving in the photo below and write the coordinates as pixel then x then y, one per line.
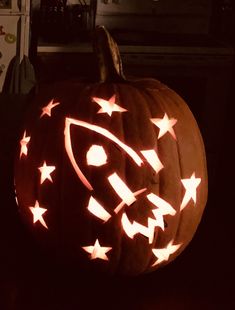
pixel 122 203
pixel 164 254
pixel 104 132
pixel 121 189
pixel 152 158
pixel 16 199
pixel 165 125
pixel 24 144
pixel 128 227
pixel 95 208
pixel 96 156
pixel 47 109
pixel 131 229
pixel 163 206
pixel 68 146
pixel 159 221
pixel 147 231
pixel 108 106
pixel 46 172
pixel 69 150
pixel 38 213
pixel 97 251
pixel 190 186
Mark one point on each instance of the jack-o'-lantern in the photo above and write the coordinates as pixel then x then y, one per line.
pixel 111 174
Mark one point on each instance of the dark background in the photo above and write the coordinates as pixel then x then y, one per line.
pixel 202 277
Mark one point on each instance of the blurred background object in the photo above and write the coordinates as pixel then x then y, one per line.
pixel 14 34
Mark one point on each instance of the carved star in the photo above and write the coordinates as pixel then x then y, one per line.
pixel 190 185
pixel 47 109
pixel 24 144
pixel 46 172
pixel 97 251
pixel 38 213
pixel 164 254
pixel 165 125
pixel 108 106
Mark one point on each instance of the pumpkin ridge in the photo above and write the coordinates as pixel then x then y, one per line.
pixel 117 90
pixel 123 240
pixel 137 111
pixel 153 113
pixel 181 106
pixel 163 106
pixel 151 108
pixel 180 169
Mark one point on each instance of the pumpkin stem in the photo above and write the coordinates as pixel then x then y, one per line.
pixel 109 59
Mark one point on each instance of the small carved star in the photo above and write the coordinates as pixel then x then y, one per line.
pixel 165 125
pixel 190 186
pixel 46 172
pixel 108 106
pixel 164 254
pixel 38 213
pixel 47 109
pixel 24 144
pixel 97 251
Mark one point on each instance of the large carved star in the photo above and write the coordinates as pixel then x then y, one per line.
pixel 24 144
pixel 38 213
pixel 97 251
pixel 164 254
pixel 108 106
pixel 190 186
pixel 46 172
pixel 47 109
pixel 165 125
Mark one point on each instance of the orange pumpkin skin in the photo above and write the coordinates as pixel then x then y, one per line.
pixel 70 226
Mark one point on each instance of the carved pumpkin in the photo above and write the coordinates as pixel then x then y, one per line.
pixel 111 174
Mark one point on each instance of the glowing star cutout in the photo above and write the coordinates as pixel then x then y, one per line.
pixel 97 251
pixel 190 186
pixel 104 132
pixel 46 172
pixel 47 109
pixel 38 213
pixel 96 209
pixel 96 156
pixel 165 125
pixel 24 145
pixel 152 158
pixel 164 254
pixel 108 106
